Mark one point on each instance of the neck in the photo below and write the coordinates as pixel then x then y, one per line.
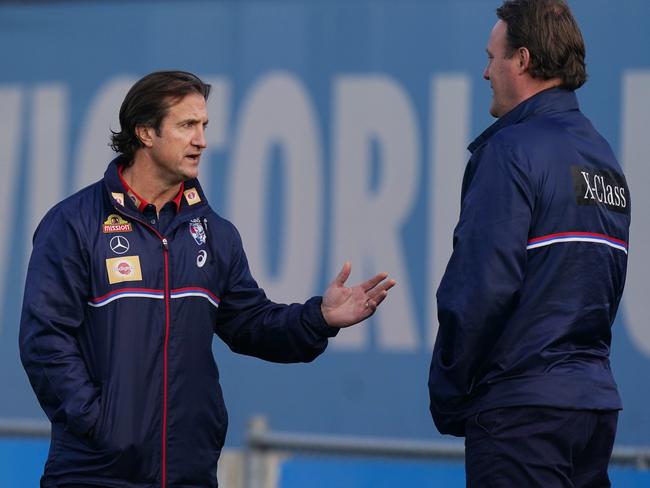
pixel 146 182
pixel 535 86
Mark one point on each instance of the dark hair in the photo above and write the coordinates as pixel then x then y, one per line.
pixel 148 102
pixel 551 35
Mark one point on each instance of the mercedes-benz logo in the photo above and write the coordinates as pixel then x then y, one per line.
pixel 119 244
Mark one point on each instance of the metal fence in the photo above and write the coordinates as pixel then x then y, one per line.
pixel 266 448
pixel 24 428
pixel 263 444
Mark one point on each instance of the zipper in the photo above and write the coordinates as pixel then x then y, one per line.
pixel 165 246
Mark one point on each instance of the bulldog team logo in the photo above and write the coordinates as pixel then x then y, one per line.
pixel 197 231
pixel 115 223
pixel 125 268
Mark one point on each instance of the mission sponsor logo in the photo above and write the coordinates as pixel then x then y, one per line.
pixel 115 223
pixel 125 268
pixel 597 187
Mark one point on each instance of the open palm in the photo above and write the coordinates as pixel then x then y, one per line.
pixel 343 306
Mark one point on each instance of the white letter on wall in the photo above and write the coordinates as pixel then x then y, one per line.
pixel 634 158
pixel 11 101
pixel 217 132
pixel 49 153
pixel 449 133
pixel 93 152
pixel 279 112
pixel 367 224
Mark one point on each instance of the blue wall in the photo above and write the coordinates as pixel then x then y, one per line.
pixel 337 131
pixel 21 462
pixel 22 459
pixel 371 473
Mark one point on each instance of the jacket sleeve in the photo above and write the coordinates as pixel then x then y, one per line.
pixel 52 313
pixel 481 284
pixel 251 324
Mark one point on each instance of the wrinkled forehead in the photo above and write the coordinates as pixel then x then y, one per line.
pixel 191 106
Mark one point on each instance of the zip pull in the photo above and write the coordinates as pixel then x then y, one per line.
pixel 165 243
pixel 205 227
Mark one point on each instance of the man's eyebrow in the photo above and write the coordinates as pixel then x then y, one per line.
pixel 192 120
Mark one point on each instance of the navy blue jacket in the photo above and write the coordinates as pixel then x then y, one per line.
pixel 116 336
pixel 526 304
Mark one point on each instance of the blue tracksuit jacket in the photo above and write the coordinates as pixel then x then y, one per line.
pixel 116 334
pixel 528 298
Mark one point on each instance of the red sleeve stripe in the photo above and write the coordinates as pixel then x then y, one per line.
pixel 155 294
pixel 577 237
pixel 196 292
pixel 126 293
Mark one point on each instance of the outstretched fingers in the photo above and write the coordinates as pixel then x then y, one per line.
pixel 367 286
pixel 378 293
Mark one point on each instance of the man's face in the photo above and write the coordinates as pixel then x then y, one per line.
pixel 502 72
pixel 176 150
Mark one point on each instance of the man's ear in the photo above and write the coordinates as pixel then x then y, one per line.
pixel 523 59
pixel 145 134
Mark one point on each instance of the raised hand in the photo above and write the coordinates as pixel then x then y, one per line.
pixel 343 306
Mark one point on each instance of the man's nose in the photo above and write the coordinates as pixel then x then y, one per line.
pixel 199 138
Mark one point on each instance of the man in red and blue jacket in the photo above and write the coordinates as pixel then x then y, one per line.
pixel 521 366
pixel 128 282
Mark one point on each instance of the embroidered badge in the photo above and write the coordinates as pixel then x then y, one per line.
pixel 602 188
pixel 119 244
pixel 115 223
pixel 118 197
pixel 125 268
pixel 192 196
pixel 197 231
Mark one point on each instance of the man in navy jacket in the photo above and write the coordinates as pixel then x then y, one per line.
pixel 128 282
pixel 521 367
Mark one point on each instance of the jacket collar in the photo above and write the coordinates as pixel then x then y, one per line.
pixel 544 102
pixel 140 202
pixel 191 198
